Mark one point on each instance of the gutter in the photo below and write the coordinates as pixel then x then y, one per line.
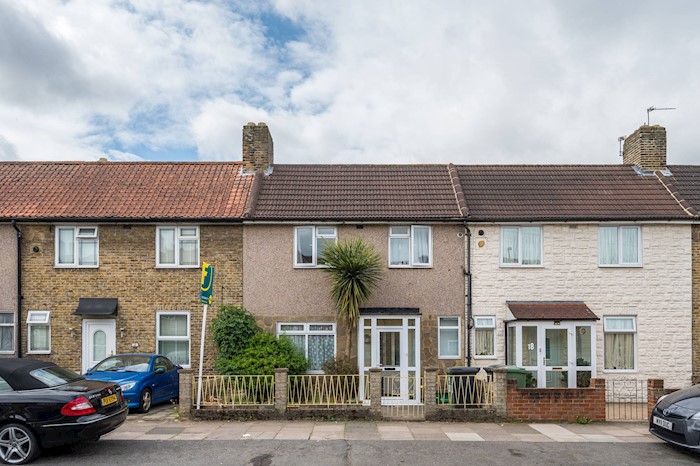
pixel 19 288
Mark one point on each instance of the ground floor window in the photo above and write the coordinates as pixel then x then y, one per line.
pixel 315 340
pixel 7 332
pixel 173 336
pixel 448 337
pixel 484 336
pixel 620 342
pixel 39 332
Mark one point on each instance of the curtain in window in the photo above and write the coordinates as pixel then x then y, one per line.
pixel 88 252
pixel 166 243
pixel 188 252
pixel 532 245
pixel 483 342
pixel 305 245
pixel 6 337
pixel 630 245
pixel 509 246
pixel 320 350
pixel 619 351
pixel 39 335
pixel 66 243
pixel 607 245
pixel 399 251
pixel 178 351
pixel 421 246
pixel 173 325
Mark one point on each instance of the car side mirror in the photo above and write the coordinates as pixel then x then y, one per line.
pixel 160 370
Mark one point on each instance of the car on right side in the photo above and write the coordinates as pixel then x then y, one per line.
pixel 675 418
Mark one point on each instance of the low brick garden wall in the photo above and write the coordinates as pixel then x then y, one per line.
pixel 556 404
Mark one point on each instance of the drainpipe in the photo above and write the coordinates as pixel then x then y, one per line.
pixel 468 273
pixel 19 288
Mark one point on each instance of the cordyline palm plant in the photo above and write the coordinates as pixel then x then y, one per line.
pixel 354 268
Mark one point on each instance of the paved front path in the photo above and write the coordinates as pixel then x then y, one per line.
pixel 163 425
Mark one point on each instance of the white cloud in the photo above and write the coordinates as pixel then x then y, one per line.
pixel 393 82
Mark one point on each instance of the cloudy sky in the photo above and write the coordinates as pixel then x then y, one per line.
pixel 393 81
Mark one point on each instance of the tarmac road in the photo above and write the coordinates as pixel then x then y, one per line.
pixel 362 452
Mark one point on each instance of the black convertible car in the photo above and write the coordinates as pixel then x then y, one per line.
pixel 44 405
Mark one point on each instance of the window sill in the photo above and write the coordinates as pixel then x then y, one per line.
pixel 450 357
pixel 296 266
pixel 7 352
pixel 177 267
pixel 490 356
pixel 518 266
pixel 39 352
pixel 64 266
pixel 411 266
pixel 620 266
pixel 619 371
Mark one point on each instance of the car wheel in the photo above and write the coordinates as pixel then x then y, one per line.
pixel 18 444
pixel 146 401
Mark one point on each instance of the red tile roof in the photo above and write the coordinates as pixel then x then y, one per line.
pixel 550 310
pixel 122 190
pixel 565 192
pixel 357 192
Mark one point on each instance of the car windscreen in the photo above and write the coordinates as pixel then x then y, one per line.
pixel 54 376
pixel 123 364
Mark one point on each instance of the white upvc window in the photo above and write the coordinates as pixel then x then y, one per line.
pixel 449 338
pixel 521 246
pixel 484 337
pixel 77 246
pixel 173 336
pixel 177 246
pixel 7 332
pixel 620 343
pixel 39 332
pixel 410 246
pixel 309 243
pixel 315 340
pixel 620 246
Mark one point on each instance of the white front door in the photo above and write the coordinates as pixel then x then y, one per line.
pixel 99 341
pixel 392 343
pixel 558 355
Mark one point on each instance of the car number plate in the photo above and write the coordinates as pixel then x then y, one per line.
pixel 108 400
pixel 663 423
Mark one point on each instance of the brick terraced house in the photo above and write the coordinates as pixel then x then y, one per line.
pixel 571 271
pixel 111 255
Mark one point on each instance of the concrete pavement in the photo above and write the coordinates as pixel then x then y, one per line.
pixel 162 424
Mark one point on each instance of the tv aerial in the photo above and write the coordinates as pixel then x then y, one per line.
pixel 651 109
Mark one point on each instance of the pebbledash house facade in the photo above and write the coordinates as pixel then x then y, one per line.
pixel 572 272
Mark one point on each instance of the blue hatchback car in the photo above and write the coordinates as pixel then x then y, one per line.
pixel 145 379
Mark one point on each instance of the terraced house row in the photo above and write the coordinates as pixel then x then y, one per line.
pixel 570 271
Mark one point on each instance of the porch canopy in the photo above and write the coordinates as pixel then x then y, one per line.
pixel 549 310
pixel 97 306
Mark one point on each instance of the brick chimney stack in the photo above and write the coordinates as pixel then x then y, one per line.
pixel 257 148
pixel 646 148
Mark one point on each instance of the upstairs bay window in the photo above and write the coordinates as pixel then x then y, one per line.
pixel 410 246
pixel 521 246
pixel 619 246
pixel 77 246
pixel 310 242
pixel 177 246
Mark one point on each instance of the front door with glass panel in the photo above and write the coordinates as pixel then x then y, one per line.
pixel 99 341
pixel 393 345
pixel 557 354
